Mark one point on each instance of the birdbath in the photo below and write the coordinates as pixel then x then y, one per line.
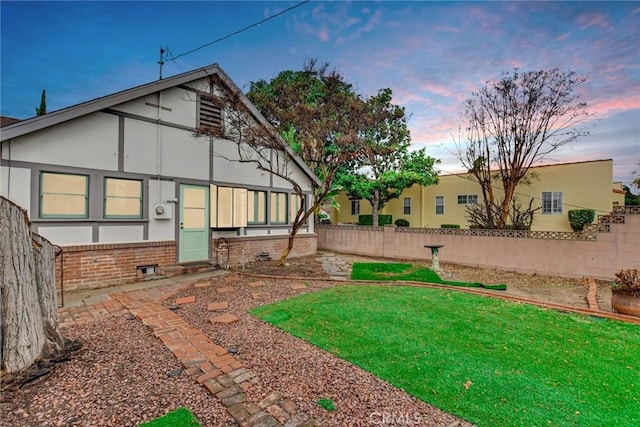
pixel 435 264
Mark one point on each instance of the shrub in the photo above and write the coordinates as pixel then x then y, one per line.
pixel 449 225
pixel 627 281
pixel 401 222
pixel 368 220
pixel 579 217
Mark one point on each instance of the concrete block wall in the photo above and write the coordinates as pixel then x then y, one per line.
pixel 600 258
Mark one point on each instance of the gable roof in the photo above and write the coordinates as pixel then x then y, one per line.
pixel 6 121
pixel 59 116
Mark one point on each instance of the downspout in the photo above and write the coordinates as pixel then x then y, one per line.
pixel 159 147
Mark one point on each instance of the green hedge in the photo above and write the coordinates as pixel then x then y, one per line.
pixel 449 225
pixel 579 217
pixel 401 222
pixel 368 220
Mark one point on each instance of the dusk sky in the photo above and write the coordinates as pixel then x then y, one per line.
pixel 431 54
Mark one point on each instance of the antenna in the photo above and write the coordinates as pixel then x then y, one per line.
pixel 161 61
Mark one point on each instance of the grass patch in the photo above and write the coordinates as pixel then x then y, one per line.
pixel 181 417
pixel 492 362
pixel 326 404
pixel 394 271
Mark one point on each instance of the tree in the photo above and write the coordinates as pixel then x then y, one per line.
pixel 28 309
pixel 316 116
pixel 514 122
pixel 384 166
pixel 629 197
pixel 42 109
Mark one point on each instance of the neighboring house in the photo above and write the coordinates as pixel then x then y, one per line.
pixel 125 184
pixel 6 121
pixel 556 189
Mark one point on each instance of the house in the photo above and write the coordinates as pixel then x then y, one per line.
pixel 128 185
pixel 6 121
pixel 555 189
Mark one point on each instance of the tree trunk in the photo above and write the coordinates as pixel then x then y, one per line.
pixel 28 324
pixel 375 216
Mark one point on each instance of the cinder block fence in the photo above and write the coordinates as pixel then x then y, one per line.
pixel 599 251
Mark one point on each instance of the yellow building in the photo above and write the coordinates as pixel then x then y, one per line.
pixel 556 189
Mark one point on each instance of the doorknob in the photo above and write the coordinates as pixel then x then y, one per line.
pixel 181 226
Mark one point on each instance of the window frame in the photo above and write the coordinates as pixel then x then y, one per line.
pixel 105 196
pixel 466 199
pixel 41 197
pixel 274 213
pixel 293 205
pixel 555 202
pixel 406 206
pixel 355 207
pixel 439 205
pixel 256 207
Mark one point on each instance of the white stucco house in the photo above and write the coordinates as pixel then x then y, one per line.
pixel 126 185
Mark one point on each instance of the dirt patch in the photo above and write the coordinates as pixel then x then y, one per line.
pixel 538 287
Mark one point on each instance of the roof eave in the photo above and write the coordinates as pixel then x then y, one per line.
pixel 59 116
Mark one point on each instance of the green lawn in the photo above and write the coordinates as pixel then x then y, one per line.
pixel 181 417
pixel 379 271
pixel 492 362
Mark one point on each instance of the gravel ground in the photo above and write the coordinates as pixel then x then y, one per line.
pixel 118 378
pixel 301 371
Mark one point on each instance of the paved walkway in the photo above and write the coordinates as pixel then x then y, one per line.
pixel 210 364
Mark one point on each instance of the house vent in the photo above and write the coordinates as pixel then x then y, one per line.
pixel 144 271
pixel 210 115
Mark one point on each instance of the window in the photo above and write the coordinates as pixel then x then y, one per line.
pixel 407 206
pixel 552 202
pixel 439 205
pixel 294 205
pixel 467 199
pixel 209 115
pixel 257 207
pixel 122 198
pixel 64 195
pixel 227 207
pixel 355 207
pixel 278 214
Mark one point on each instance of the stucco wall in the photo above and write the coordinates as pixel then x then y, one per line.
pixel 551 253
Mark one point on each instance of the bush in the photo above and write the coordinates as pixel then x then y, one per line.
pixel 627 281
pixel 579 217
pixel 368 220
pixel 401 222
pixel 449 225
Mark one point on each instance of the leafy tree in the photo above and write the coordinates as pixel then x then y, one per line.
pixel 629 197
pixel 42 109
pixel 317 113
pixel 384 166
pixel 514 122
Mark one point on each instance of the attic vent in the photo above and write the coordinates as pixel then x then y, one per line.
pixel 209 115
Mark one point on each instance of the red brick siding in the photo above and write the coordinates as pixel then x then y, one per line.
pixel 104 265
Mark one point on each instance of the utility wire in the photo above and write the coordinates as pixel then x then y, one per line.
pixel 173 58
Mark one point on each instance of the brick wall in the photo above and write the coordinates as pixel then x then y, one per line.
pixel 306 244
pixel 104 265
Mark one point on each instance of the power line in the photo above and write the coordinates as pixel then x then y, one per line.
pixel 173 58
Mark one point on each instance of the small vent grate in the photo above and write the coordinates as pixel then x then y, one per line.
pixel 210 115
